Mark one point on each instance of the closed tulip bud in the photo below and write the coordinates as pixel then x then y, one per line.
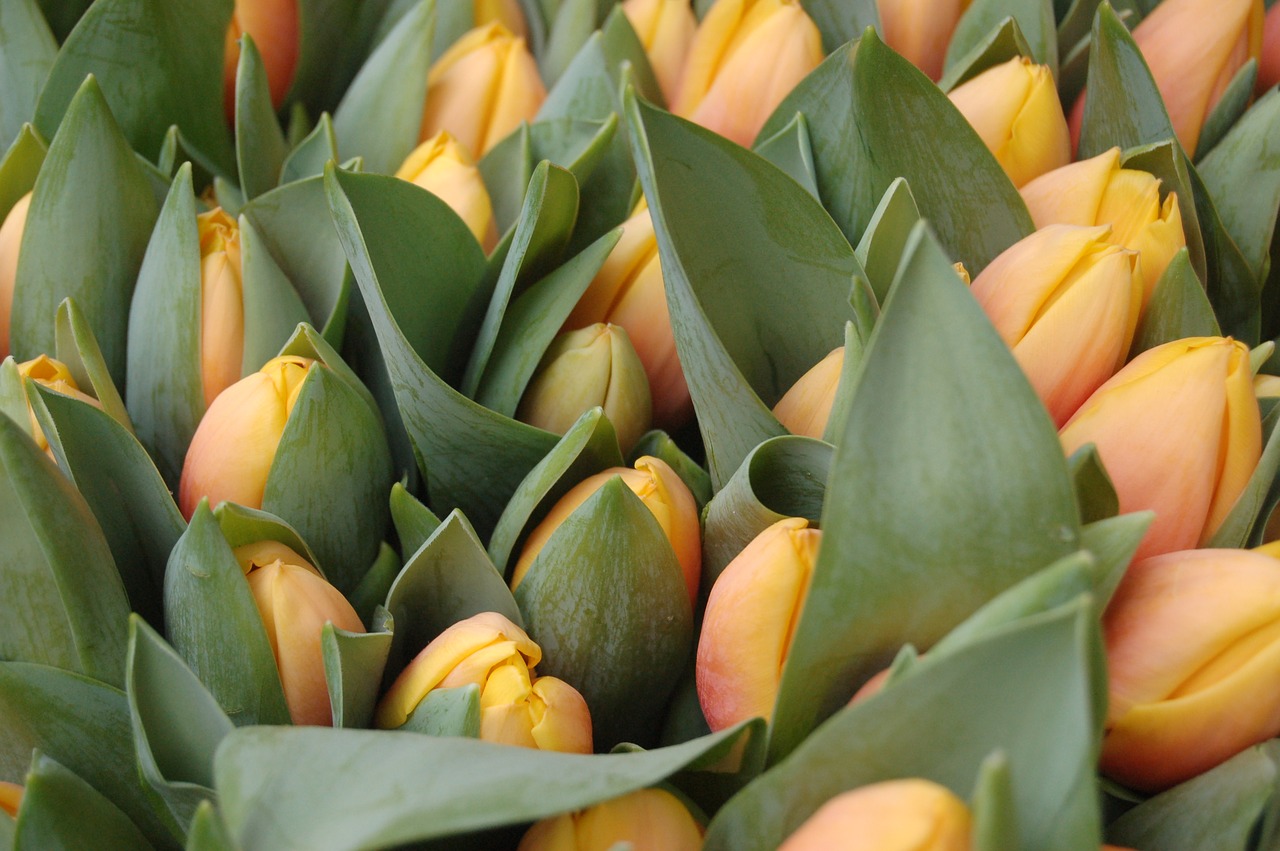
pixel 516 708
pixel 1066 301
pixel 1269 62
pixel 10 797
pixel 444 168
pixel 894 815
pixel 1179 432
pixel 750 619
pixel 921 30
pixel 480 90
pixel 221 303
pixel 806 407
pixel 1014 107
pixel 628 291
pixel 54 375
pixel 1098 191
pixel 295 603
pixel 662 491
pixel 583 369
pixel 273 26
pixel 10 241
pixel 644 820
pixel 234 445
pixel 746 56
pixel 665 28
pixel 1193 657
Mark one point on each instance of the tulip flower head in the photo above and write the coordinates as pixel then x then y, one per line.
pixel 221 303
pixel 516 707
pixel 750 620
pixel 921 30
pixel 894 815
pixel 10 241
pixel 1269 62
pixel 1179 432
pixel 806 407
pixel 644 820
pixel 1014 107
pixel 295 603
pixel 746 56
pixel 665 28
pixel 444 168
pixel 10 797
pixel 662 491
pixel 273 25
pixel 1193 658
pixel 54 375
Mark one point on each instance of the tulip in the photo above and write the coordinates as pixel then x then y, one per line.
pixel 480 90
pixel 295 603
pixel 806 407
pixel 443 167
pixel 54 375
pixel 234 445
pixel 663 493
pixel 516 708
pixel 273 26
pixel 10 797
pixel 221 303
pixel 893 815
pixel 666 29
pixel 921 30
pixel 1098 191
pixel 1179 432
pixel 746 56
pixel 10 241
pixel 628 291
pixel 644 820
pixel 750 619
pixel 1269 62
pixel 1066 301
pixel 583 369
pixel 1014 108
pixel 1193 658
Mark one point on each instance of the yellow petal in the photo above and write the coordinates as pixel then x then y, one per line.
pixel 561 719
pixel 806 407
pixel 1072 194
pixel 10 240
pixel 894 815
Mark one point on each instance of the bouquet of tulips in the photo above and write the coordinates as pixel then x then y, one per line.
pixel 564 425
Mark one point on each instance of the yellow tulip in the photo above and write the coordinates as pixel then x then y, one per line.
pixel 806 407
pixel 749 622
pixel 10 797
pixel 746 56
pixel 221 303
pixel 644 820
pixel 893 815
pixel 1179 432
pixel 1066 301
pixel 1098 191
pixel 921 30
pixel 1014 108
pixel 295 603
pixel 444 168
pixel 480 90
pixel 273 25
pixel 10 241
pixel 516 708
pixel 54 375
pixel 665 28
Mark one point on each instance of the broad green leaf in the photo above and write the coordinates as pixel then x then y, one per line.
pixel 19 167
pixel 27 53
pixel 873 118
pixel 1237 528
pixel 353 666
pixel 167 72
pixel 1035 21
pixel 756 273
pixel 364 789
pixel 1095 494
pixel 86 233
pixel 53 793
pixel 1178 308
pixel 507 169
pixel 335 37
pixel 1232 104
pixel 994 828
pixel 841 21
pixel 272 307
pixel 447 712
pixel 880 249
pixel 995 47
pixel 63 14
pixel 940 406
pixel 1113 542
pixel 308 158
pixel 241 525
pixel 789 149
pixel 1235 291
pixel 77 348
pixel 453 19
pixel 589 86
pixel 260 144
pixel 574 22
pixel 414 522
pixel 368 596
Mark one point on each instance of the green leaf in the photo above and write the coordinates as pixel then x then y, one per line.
pixel 208 833
pixel 78 349
pixel 1234 290
pixel 353 666
pixel 1095 494
pixel 1034 19
pixel 53 794
pixel 995 47
pixel 62 603
pixel 380 116
pixel 1113 542
pixel 994 828
pixel 790 150
pixel 334 39
pixel 506 170
pixel 19 167
pixel 81 242
pixel 756 273
pixel 367 597
pixel 1178 308
pixel 1232 104
pixel 414 522
pixel 589 86
pixel 940 406
pixel 883 242
pixel 447 712
pixel 574 22
pixel 260 145
pixel 309 157
pixel 27 52
pixel 873 118
pixel 241 526
pixel 167 72
pixel 272 307
pixel 353 788
pixel 841 21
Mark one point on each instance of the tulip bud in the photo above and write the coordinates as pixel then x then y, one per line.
pixel 628 291
pixel 1193 657
pixel 10 241
pixel 894 815
pixel 806 407
pixel 644 820
pixel 1098 191
pixel 10 797
pixel 516 708
pixel 221 303
pixel 593 366
pixel 746 56
pixel 751 617
pixel 273 26
pixel 234 445
pixel 443 167
pixel 480 90
pixel 1179 432
pixel 54 375
pixel 666 29
pixel 1269 62
pixel 921 30
pixel 1066 301
pixel 1014 107
pixel 295 602
pixel 661 490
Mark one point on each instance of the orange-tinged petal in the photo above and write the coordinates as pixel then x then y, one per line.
pixel 894 815
pixel 921 30
pixel 1072 194
pixel 561 719
pixel 665 28
pixel 444 168
pixel 1269 61
pixel 646 820
pixel 10 797
pixel 10 241
pixel 221 303
pixel 273 25
pixel 1243 446
pixel 806 407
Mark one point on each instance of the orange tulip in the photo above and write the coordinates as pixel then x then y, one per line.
pixel 54 375
pixel 806 407
pixel 10 797
pixel 1269 62
pixel 666 29
pixel 444 168
pixel 644 820
pixel 273 26
pixel 921 30
pixel 894 815
pixel 221 303
pixel 10 241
